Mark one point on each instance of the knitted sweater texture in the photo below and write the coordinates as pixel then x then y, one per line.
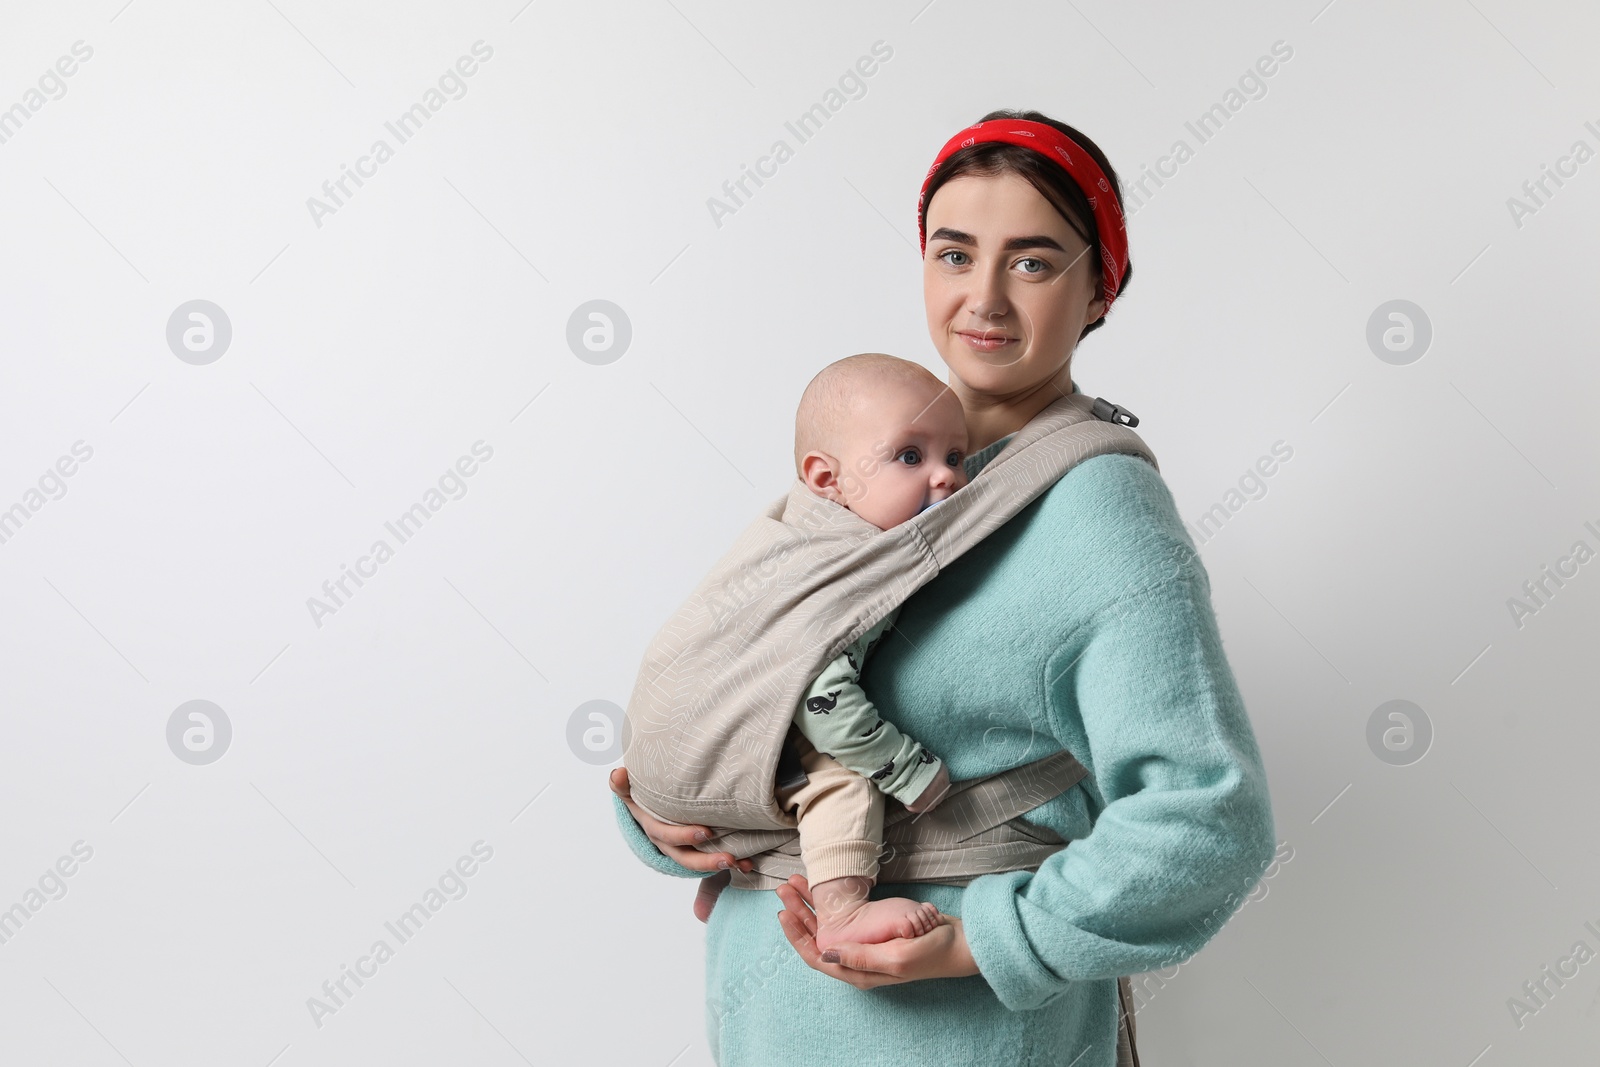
pixel 1084 623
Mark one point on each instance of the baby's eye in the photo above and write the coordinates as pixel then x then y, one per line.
pixel 954 459
pixel 952 252
pixel 916 457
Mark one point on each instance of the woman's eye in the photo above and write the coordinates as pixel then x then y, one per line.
pixel 913 453
pixel 953 252
pixel 1039 263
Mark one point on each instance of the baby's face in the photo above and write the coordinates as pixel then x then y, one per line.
pixel 903 453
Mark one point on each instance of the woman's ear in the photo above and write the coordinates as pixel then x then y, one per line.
pixel 1097 310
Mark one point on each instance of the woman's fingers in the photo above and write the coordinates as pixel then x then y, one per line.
pixel 706 898
pixel 801 934
pixel 888 960
pixel 802 889
pixel 796 903
pixel 675 842
pixel 799 923
pixel 672 844
pixel 654 828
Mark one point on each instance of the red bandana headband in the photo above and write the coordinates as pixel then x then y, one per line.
pixel 1065 153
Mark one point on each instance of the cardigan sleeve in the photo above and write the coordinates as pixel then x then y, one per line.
pixel 1142 692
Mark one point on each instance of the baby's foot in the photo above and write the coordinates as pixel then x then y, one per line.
pixel 868 922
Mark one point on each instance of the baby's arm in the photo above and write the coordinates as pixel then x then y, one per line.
pixel 838 719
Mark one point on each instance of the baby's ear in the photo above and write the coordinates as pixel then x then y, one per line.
pixel 819 471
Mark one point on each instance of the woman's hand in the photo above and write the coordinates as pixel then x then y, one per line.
pixel 675 842
pixel 940 953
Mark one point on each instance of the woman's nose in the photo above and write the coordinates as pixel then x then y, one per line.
pixel 987 300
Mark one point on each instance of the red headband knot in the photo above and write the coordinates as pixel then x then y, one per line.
pixel 1065 153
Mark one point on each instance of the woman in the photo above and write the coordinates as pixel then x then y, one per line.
pixel 1084 623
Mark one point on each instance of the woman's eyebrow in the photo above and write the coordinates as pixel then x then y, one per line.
pixel 1038 240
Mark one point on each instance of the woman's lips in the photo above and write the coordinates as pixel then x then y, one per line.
pixel 986 344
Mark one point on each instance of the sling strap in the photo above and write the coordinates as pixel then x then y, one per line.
pixel 1127 1054
pixel 976 829
pixel 718 685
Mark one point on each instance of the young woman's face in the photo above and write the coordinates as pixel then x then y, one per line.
pixel 1008 284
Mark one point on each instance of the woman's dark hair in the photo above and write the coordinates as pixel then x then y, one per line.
pixel 1053 183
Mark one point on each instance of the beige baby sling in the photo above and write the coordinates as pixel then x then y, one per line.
pixel 719 684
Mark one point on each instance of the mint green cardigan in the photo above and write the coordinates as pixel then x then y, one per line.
pixel 1084 623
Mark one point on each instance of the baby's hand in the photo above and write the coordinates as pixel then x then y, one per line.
pixel 934 792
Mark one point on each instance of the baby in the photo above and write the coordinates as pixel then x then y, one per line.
pixel 885 438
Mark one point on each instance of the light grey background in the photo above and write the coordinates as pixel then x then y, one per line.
pixel 431 710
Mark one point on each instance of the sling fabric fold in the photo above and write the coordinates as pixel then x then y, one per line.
pixel 718 685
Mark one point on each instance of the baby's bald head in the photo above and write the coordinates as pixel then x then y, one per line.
pixel 842 390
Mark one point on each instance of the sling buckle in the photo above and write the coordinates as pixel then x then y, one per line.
pixel 1106 411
